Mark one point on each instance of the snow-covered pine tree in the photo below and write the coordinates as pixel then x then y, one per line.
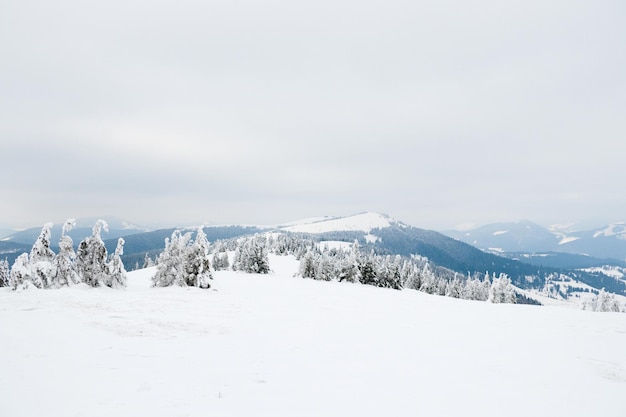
pixel 307 265
pixel 197 267
pixel 41 259
pixel 5 273
pixel 252 256
pixel 220 261
pixel 367 270
pixel 116 277
pixel 64 262
pixel 603 301
pixel 502 290
pixel 147 261
pixel 91 257
pixel 21 277
pixel 170 264
pixel 349 266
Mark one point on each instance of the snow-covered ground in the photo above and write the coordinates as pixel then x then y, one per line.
pixel 363 222
pixel 275 345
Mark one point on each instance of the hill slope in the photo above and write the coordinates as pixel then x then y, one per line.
pixel 282 346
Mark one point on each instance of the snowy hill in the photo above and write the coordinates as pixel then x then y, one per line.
pixel 275 345
pixel 363 222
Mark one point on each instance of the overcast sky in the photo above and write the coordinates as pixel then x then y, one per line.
pixel 440 113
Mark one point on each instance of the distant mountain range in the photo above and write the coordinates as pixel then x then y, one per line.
pixel 608 242
pixel 384 235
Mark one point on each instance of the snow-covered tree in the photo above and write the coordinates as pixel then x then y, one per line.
pixel 183 262
pixel 307 265
pixel 5 273
pixel 603 301
pixel 41 259
pixel 91 257
pixel 64 266
pixel 116 277
pixel 170 263
pixel 147 261
pixel 197 268
pixel 220 261
pixel 252 256
pixel 21 276
pixel 348 268
pixel 502 290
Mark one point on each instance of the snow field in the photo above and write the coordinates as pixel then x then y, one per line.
pixel 275 345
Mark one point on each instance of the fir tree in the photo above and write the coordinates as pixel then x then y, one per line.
pixel 21 277
pixel 170 263
pixel 64 263
pixel 197 267
pixel 91 257
pixel 116 277
pixel 41 259
pixel 5 276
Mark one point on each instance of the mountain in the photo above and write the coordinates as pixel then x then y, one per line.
pixel 608 242
pixel 384 235
pixel 523 236
pixel 117 228
pixel 374 232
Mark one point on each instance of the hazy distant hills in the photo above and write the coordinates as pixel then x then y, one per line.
pixel 527 237
pixel 117 228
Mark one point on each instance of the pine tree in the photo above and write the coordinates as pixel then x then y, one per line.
pixel 41 259
pixel 116 277
pixel 307 266
pixel 91 257
pixel 64 262
pixel 170 263
pixel 147 261
pixel 21 277
pixel 5 273
pixel 502 290
pixel 197 267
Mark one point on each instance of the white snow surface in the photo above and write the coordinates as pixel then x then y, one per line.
pixel 275 345
pixel 363 222
pixel 500 232
pixel 568 239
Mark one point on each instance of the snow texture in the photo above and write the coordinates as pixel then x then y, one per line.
pixel 274 345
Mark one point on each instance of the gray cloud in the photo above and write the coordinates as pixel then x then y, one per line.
pixel 436 113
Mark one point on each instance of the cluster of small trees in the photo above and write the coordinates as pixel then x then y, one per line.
pixel 352 264
pixel 398 272
pixel 603 301
pixel 42 268
pixel 184 262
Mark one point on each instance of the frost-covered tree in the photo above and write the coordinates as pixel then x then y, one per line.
pixel 170 263
pixel 252 256
pixel 64 266
pixel 348 268
pixel 21 276
pixel 307 265
pixel 42 258
pixel 147 261
pixel 603 301
pixel 116 277
pixel 502 290
pixel 197 266
pixel 91 257
pixel 5 273
pixel 220 261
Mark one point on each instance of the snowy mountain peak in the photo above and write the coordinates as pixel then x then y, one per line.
pixel 364 222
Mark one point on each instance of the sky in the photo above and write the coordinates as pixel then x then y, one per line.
pixel 442 114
